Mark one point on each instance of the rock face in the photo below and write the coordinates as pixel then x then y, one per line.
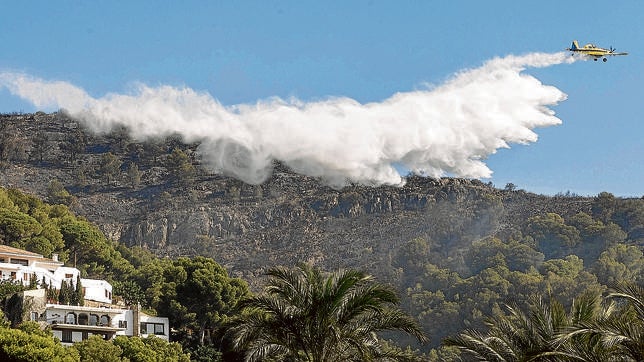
pixel 289 219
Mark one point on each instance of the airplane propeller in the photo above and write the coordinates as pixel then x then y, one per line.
pixel 612 50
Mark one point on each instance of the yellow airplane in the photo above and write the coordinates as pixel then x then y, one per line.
pixel 593 51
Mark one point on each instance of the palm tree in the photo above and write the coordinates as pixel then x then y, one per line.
pixel 628 333
pixel 619 330
pixel 305 315
pixel 531 335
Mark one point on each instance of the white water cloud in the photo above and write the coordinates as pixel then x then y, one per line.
pixel 449 129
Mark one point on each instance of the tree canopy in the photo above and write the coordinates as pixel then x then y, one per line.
pixel 304 315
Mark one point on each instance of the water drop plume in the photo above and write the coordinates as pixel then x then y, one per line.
pixel 449 129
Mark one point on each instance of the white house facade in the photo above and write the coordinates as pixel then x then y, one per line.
pixel 72 323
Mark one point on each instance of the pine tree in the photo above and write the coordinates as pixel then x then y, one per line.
pixel 52 293
pixel 33 281
pixel 78 295
pixel 63 293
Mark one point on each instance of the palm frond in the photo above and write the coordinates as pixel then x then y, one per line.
pixel 304 313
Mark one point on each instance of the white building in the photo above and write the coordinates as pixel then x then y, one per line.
pixel 70 323
pixel 22 265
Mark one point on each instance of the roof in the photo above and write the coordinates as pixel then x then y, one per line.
pixel 6 249
pixel 15 252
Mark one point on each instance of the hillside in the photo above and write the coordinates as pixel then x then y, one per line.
pixel 248 228
pixel 455 249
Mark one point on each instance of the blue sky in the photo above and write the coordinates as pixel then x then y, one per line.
pixel 244 51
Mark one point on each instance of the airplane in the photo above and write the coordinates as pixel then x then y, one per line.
pixel 593 51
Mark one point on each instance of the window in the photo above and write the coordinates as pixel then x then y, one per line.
pixel 83 319
pixel 34 316
pixel 13 275
pixel 93 319
pixel 153 328
pixel 25 276
pixel 70 318
pixel 105 320
pixel 69 276
pixel 122 324
pixel 20 261
pixel 158 329
pixel 85 336
pixel 67 336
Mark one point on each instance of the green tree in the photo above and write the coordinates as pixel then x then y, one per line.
pixel 91 251
pixel 553 237
pixel 109 167
pixel 57 194
pixel 626 331
pixel 620 263
pixel 150 349
pixel 16 227
pixel 119 139
pixel 304 315
pixel 619 333
pixel 197 294
pixel 77 296
pixel 517 256
pixel 65 293
pixel 130 291
pixel 17 346
pixel 152 149
pixel 629 215
pixel 595 235
pixel 566 278
pixel 528 335
pixel 603 206
pixel 179 165
pixel 97 349
pixel 412 256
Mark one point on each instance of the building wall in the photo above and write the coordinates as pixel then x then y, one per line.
pixel 122 319
pixel 125 320
pixel 98 297
pixel 97 290
pixel 156 326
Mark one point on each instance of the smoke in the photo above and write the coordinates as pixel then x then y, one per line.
pixel 449 129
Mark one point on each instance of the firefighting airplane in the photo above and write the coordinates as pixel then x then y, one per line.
pixel 593 51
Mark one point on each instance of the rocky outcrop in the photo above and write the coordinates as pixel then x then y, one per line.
pixel 289 219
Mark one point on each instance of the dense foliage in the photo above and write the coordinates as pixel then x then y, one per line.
pixel 450 289
pixel 30 343
pixel 459 277
pixel 544 331
pixel 304 315
pixel 196 294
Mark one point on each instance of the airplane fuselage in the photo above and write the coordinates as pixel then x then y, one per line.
pixel 593 51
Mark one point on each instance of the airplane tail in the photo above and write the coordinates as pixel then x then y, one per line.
pixel 575 45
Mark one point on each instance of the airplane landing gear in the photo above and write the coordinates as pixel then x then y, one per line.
pixel 605 59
